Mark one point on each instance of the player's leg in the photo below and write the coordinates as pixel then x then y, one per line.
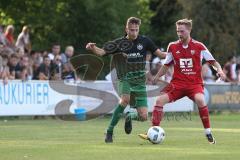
pixel 123 90
pixel 204 115
pixel 157 113
pixel 138 99
pixel 168 94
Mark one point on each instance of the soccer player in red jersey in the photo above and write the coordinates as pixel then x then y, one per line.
pixel 186 56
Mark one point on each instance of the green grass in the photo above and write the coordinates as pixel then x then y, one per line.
pixel 61 140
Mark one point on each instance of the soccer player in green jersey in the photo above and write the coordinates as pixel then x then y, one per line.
pixel 130 69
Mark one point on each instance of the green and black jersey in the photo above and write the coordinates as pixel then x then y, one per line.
pixel 130 62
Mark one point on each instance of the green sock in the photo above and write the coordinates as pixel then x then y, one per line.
pixel 115 118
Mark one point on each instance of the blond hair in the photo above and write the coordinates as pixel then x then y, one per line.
pixel 186 22
pixel 134 20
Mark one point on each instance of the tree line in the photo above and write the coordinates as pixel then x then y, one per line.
pixel 76 22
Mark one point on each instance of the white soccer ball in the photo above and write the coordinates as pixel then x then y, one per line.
pixel 156 134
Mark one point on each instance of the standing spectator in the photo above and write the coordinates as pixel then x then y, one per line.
pixel 230 69
pixel 10 37
pixel 69 51
pixel 3 41
pixel 238 69
pixel 23 40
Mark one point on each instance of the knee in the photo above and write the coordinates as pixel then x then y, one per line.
pixel 159 102
pixel 124 101
pixel 200 103
pixel 162 100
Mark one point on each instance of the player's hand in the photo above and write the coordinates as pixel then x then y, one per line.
pixel 221 75
pixel 90 46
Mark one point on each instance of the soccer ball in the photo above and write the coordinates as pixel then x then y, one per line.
pixel 156 134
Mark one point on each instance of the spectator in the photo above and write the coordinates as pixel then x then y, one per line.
pixel 69 51
pixel 26 69
pixel 56 49
pixel 57 68
pixel 3 41
pixel 69 73
pixel 37 59
pixel 207 73
pixel 230 70
pixel 238 69
pixel 4 69
pixel 44 71
pixel 23 40
pixel 10 37
pixel 4 48
pixel 14 66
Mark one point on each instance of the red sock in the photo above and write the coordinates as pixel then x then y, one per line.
pixel 157 115
pixel 204 115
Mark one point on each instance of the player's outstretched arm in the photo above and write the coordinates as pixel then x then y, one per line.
pixel 96 50
pixel 162 71
pixel 160 54
pixel 219 70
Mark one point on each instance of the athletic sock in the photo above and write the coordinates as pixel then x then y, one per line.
pixel 115 118
pixel 157 115
pixel 204 115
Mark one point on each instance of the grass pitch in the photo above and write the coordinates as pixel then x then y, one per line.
pixel 61 140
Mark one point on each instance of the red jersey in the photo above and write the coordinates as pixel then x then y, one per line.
pixel 187 61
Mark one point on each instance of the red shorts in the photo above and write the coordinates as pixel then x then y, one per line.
pixel 175 93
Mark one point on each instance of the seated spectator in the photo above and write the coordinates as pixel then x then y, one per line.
pixel 57 68
pixel 69 51
pixel 4 69
pixel 37 60
pixel 68 73
pixel 14 66
pixel 44 70
pixel 26 68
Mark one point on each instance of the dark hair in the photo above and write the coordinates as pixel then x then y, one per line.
pixel 134 20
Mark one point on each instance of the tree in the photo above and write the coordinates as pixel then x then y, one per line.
pixel 215 22
pixel 69 21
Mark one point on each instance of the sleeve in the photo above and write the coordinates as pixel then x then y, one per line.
pixel 169 58
pixel 151 45
pixel 206 55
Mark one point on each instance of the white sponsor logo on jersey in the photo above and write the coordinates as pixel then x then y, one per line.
pixel 186 63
